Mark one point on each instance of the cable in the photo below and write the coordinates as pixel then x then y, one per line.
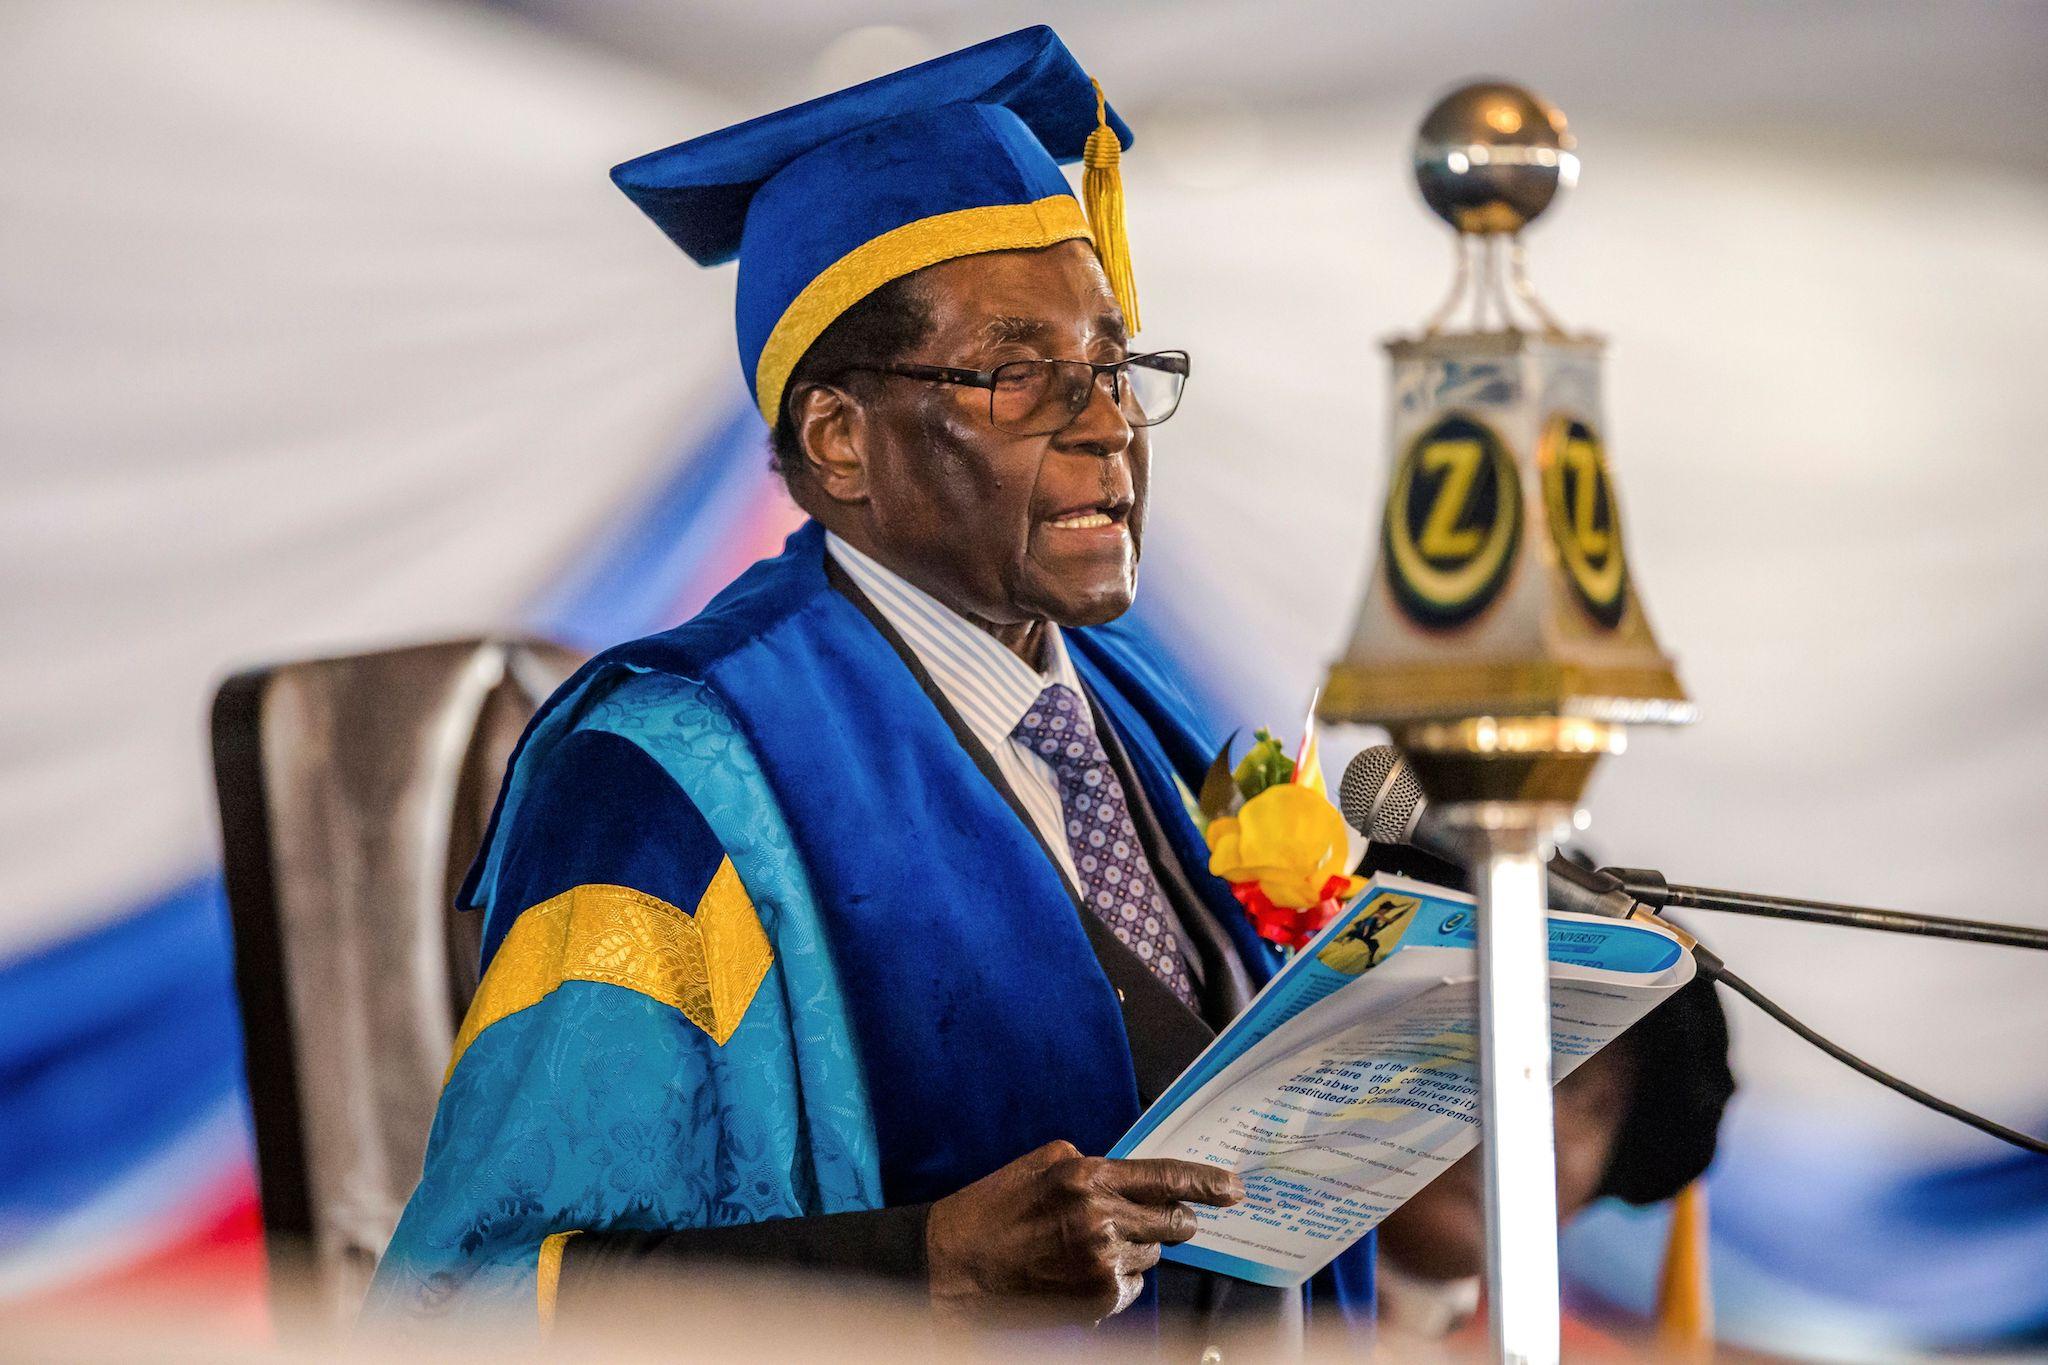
pixel 1885 1078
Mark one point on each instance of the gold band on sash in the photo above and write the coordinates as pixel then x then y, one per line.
pixel 707 965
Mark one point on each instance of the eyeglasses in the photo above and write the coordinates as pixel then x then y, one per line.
pixel 1040 397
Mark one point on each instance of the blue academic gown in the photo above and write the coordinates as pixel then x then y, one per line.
pixel 762 941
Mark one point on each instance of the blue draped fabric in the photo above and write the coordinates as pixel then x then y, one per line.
pixel 600 1107
pixel 959 976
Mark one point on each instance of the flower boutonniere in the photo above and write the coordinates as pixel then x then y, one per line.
pixel 1275 837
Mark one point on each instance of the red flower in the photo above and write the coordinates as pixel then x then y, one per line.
pixel 1291 929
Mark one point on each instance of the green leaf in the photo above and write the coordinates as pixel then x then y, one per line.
pixel 1267 765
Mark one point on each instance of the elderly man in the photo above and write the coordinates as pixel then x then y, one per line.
pixel 844 925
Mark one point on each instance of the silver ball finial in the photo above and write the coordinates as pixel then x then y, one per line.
pixel 1491 156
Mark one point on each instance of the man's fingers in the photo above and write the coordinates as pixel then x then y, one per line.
pixel 1155 1223
pixel 1164 1180
pixel 1050 1154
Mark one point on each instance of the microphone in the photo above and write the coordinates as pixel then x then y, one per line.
pixel 1382 800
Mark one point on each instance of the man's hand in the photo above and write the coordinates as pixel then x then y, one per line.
pixel 1075 1233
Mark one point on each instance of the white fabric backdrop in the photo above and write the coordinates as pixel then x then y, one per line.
pixel 320 327
pixel 323 326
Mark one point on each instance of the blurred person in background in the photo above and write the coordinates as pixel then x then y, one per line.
pixel 1635 1122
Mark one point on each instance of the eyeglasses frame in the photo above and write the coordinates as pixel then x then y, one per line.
pixel 986 379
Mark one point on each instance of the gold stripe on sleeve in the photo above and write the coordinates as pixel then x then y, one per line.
pixel 707 965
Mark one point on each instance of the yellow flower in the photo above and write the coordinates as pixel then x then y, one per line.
pixel 1290 840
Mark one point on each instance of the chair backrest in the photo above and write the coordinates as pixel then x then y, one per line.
pixel 353 794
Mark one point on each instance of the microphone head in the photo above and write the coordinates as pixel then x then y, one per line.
pixel 1380 797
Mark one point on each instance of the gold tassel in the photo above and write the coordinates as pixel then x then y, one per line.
pixel 1102 195
pixel 1685 1309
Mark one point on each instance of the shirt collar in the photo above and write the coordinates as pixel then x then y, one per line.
pixel 986 683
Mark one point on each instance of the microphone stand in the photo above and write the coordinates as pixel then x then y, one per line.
pixel 1520 1154
pixel 1652 889
pixel 1653 892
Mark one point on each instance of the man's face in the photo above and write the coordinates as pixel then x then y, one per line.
pixel 1005 529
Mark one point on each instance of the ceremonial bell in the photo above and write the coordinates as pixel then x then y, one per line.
pixel 1502 641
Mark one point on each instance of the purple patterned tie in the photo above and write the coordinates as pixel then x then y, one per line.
pixel 1116 881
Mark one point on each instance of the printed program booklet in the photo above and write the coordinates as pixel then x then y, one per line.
pixel 1353 1079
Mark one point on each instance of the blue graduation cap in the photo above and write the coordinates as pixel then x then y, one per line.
pixel 827 201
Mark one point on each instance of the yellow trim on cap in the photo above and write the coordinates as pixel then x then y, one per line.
pixel 707 965
pixel 894 254
pixel 549 1282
